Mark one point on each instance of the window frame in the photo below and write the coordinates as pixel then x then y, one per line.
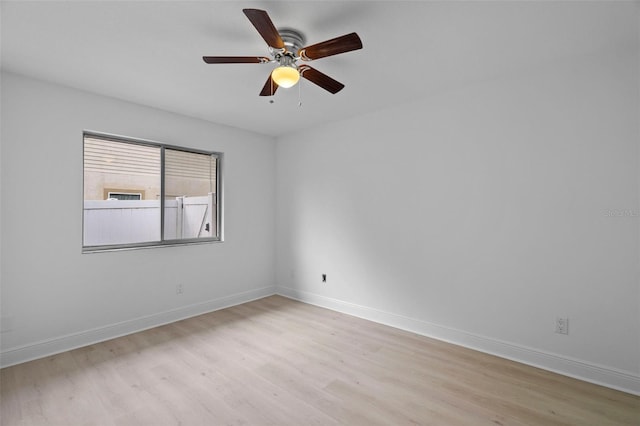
pixel 219 187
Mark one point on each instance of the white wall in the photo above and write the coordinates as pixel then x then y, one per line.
pixel 479 215
pixel 53 296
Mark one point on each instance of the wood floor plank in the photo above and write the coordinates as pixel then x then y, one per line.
pixel 276 361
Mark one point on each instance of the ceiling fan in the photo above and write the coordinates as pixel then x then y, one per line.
pixel 286 47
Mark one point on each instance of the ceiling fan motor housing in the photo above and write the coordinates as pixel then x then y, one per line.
pixel 293 40
pixel 286 59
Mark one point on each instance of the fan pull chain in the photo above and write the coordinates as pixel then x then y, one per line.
pixel 271 101
pixel 300 94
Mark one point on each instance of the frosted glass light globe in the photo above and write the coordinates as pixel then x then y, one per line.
pixel 285 76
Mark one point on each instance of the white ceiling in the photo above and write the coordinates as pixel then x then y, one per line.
pixel 150 52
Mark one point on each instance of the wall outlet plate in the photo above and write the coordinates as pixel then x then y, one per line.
pixel 562 325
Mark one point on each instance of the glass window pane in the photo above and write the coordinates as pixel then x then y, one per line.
pixel 190 195
pixel 116 167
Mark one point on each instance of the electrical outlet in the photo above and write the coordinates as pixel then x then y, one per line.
pixel 324 278
pixel 562 325
pixel 179 289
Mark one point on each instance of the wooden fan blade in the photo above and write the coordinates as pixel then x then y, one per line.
pixel 235 59
pixel 342 44
pixel 322 80
pixel 260 19
pixel 269 88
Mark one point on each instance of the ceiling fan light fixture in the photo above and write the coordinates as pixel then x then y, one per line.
pixel 285 76
pixel 287 46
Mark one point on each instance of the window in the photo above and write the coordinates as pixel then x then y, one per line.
pixel 141 194
pixel 124 196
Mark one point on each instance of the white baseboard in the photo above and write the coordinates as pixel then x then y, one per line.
pixel 600 375
pixel 60 344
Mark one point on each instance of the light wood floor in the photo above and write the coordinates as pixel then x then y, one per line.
pixel 280 362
